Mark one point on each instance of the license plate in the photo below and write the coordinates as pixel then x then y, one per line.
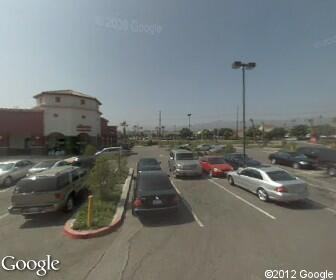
pixel 157 202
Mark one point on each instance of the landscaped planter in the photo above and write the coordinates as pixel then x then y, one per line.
pixel 116 221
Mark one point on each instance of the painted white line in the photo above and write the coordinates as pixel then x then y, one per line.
pixel 243 200
pixel 331 210
pixel 4 216
pixel 198 221
pixel 5 190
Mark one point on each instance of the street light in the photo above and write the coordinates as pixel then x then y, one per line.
pixel 189 115
pixel 243 66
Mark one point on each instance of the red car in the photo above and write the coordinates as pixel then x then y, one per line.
pixel 215 166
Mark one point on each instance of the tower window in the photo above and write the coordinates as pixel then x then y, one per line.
pixel 82 102
pixel 58 99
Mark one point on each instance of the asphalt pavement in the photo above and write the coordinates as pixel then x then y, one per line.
pixel 220 232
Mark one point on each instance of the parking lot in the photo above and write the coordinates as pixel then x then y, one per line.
pixel 220 232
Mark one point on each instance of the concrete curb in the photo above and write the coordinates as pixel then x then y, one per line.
pixel 117 219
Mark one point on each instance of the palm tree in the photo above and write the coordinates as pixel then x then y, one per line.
pixel 124 125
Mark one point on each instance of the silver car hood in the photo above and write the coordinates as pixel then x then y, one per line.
pixel 2 172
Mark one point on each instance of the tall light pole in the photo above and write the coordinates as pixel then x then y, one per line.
pixel 189 115
pixel 243 66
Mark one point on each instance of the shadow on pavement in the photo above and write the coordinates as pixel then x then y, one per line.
pixel 55 218
pixel 301 205
pixel 182 216
pixel 46 220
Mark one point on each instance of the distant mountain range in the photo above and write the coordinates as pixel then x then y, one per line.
pixel 276 123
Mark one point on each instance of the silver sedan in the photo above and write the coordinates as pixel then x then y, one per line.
pixel 270 183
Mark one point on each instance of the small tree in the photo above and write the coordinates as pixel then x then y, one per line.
pixel 102 179
pixel 186 133
pixel 276 133
pixel 300 131
pixel 89 150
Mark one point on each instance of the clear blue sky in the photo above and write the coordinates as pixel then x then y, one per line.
pixel 186 67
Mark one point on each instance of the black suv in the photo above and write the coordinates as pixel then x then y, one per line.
pixel 325 157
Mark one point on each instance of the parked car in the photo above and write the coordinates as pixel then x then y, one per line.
pixel 325 157
pixel 184 163
pixel 154 192
pixel 46 164
pixel 216 149
pixel 148 164
pixel 270 183
pixel 236 160
pixel 48 191
pixel 11 171
pixel 86 162
pixel 204 147
pixel 184 147
pixel 215 166
pixel 293 159
pixel 113 151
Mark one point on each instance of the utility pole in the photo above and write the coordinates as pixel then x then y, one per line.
pixel 237 122
pixel 189 115
pixel 159 131
pixel 244 66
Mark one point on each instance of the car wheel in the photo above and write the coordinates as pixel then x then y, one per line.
pixel 69 205
pixel 262 194
pixel 296 165
pixel 8 182
pixel 273 161
pixel 332 171
pixel 231 182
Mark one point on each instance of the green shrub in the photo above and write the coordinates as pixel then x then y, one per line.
pixel 89 150
pixel 229 149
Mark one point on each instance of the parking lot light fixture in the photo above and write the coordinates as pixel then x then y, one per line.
pixel 243 66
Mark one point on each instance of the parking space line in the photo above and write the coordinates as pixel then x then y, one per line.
pixel 198 221
pixel 243 200
pixel 4 216
pixel 330 210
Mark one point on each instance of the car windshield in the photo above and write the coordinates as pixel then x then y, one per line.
pixel 6 166
pixel 185 156
pixel 280 176
pixel 216 160
pixel 45 164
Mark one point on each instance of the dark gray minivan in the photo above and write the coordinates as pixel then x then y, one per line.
pixel 51 190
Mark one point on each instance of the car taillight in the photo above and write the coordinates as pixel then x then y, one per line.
pixel 59 195
pixel 281 189
pixel 137 202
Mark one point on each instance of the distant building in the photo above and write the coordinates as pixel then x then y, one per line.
pixel 62 120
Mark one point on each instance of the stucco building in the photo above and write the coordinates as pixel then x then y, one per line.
pixel 62 120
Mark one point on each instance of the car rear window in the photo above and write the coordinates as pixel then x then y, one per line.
pixel 185 156
pixel 216 160
pixel 280 176
pixel 40 184
pixel 149 161
pixel 154 183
